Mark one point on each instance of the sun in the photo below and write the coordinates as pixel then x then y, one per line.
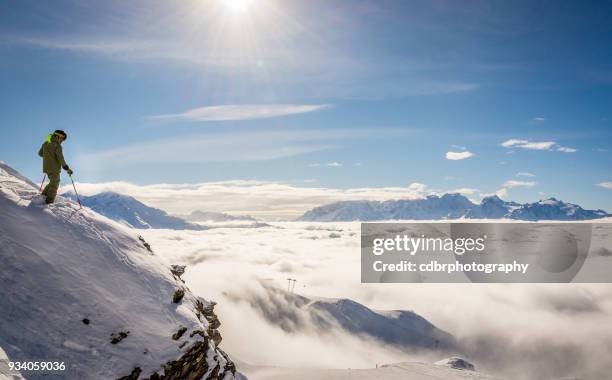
pixel 237 6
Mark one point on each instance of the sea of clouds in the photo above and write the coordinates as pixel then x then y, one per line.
pixel 518 331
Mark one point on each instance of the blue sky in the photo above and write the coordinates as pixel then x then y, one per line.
pixel 329 93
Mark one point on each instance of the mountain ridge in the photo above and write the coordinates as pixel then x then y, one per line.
pixel 449 206
pixel 132 212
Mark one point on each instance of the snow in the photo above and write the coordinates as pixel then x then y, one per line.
pixel 61 265
pixel 449 206
pixel 131 212
pixel 399 371
pixel 5 371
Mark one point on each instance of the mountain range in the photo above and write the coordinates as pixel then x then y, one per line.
pixel 450 206
pixel 131 212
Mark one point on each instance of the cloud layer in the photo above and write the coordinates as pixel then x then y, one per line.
pixel 263 199
pixel 529 331
pixel 266 200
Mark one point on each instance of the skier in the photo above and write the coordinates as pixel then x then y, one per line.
pixel 53 163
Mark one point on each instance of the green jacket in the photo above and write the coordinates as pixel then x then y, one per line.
pixel 53 156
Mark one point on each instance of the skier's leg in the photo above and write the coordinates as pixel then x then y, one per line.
pixel 51 189
pixel 46 189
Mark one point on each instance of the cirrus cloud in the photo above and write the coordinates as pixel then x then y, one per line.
pixel 525 174
pixel 238 112
pixel 536 145
pixel 512 183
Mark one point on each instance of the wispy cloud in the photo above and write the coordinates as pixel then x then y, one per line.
pixel 565 149
pixel 605 185
pixel 454 156
pixel 525 174
pixel 512 184
pixel 537 120
pixel 536 145
pixel 238 112
pixel 465 191
pixel 237 146
pixel 334 164
pixel 502 192
pixel 526 144
pixel 107 47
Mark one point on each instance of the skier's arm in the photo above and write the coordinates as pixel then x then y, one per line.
pixel 40 152
pixel 60 157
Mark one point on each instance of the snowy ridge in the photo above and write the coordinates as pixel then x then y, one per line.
pixel 84 290
pixel 449 206
pixel 401 328
pixel 131 212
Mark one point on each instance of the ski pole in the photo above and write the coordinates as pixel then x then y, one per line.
pixel 75 192
pixel 43 182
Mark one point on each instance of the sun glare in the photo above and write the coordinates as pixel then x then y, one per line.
pixel 238 6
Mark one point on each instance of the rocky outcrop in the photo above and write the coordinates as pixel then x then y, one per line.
pixel 456 362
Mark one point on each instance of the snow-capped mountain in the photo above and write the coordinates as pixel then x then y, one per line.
pixel 398 327
pixel 130 211
pixel 210 216
pixel 553 209
pixel 401 328
pixel 449 206
pixel 493 207
pixel 85 291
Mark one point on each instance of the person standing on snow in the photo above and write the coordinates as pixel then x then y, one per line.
pixel 53 163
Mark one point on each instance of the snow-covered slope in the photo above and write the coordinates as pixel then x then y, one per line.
pixel 403 329
pixel 399 371
pixel 130 211
pixel 449 206
pixel 81 289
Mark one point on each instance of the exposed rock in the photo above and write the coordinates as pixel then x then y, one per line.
pixel 193 365
pixel 457 363
pixel 85 321
pixel 178 295
pixel 177 335
pixel 132 376
pixel 215 335
pixel 178 270
pixel 118 337
pixel 145 244
pixel 208 313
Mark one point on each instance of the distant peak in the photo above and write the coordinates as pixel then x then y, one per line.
pixel 491 198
